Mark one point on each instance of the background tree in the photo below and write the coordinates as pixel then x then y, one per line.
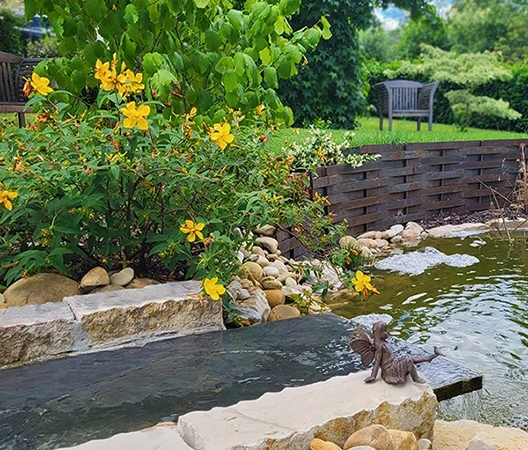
pixel 378 44
pixel 468 71
pixel 332 85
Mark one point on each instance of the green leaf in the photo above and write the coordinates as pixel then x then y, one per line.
pixel 270 77
pixel 115 171
pixel 289 7
pixel 236 19
pixel 265 56
pixel 213 41
pixel 95 9
pixel 201 3
pixel 230 80
pixel 224 63
pixel 327 34
pixel 152 62
pixel 131 14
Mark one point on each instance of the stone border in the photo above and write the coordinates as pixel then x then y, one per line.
pixel 84 323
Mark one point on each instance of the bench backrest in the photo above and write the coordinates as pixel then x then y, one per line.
pixel 404 95
pixel 14 71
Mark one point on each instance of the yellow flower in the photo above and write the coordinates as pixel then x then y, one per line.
pixel 193 230
pixel 101 70
pixel 136 116
pixel 40 84
pixel 212 289
pixel 362 284
pixel 221 134
pixel 133 81
pixel 260 109
pixel 109 81
pixel 6 197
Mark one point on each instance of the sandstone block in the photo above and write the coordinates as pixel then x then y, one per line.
pixel 35 332
pixel 292 418
pixel 160 437
pixel 173 308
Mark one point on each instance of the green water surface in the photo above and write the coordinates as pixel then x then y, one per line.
pixel 477 316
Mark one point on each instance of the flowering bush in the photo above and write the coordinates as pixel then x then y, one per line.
pixel 319 149
pixel 120 185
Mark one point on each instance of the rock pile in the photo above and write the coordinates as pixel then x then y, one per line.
pixel 50 287
pixel 376 437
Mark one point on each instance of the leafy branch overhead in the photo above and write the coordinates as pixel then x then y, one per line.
pixel 192 53
pixel 468 71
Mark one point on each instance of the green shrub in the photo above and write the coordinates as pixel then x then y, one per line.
pixel 9 36
pixel 121 185
pixel 47 47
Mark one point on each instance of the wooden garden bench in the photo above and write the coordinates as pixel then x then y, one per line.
pixel 14 70
pixel 402 98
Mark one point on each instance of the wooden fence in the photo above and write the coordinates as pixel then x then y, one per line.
pixel 413 182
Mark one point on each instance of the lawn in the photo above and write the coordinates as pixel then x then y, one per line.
pixel 403 131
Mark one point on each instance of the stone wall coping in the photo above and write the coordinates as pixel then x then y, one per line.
pixel 126 298
pixel 295 415
pixel 35 314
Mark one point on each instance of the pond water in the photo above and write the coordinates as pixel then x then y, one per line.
pixel 476 315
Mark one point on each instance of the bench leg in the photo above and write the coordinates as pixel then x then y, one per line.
pixel 381 123
pixel 430 122
pixel 419 123
pixel 390 123
pixel 21 119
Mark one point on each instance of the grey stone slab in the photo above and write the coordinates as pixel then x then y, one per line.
pixel 111 318
pixel 34 332
pixel 72 400
pixel 331 410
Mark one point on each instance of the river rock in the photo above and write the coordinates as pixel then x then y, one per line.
pixel 290 282
pixel 123 277
pixel 366 253
pixel 395 230
pixel 376 436
pixel 381 235
pixel 244 252
pixel 256 250
pixel 367 242
pixel 367 235
pixel 403 440
pixel 280 264
pixel 40 288
pixel 459 434
pixel 271 271
pixel 425 444
pixel 244 294
pixel 412 231
pixel 269 243
pixel 275 297
pixel 109 288
pixel 2 299
pixel 479 444
pixel 381 243
pixel 319 444
pixel 262 261
pixel 140 283
pixel 251 270
pixel 94 278
pixel 284 276
pixel 254 309
pixel 282 312
pixel 234 288
pixel 266 230
pixel 348 242
pixel 271 284
pixel 240 257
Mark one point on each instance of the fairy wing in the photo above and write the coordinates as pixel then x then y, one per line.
pixel 364 346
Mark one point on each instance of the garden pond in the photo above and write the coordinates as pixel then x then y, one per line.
pixel 477 315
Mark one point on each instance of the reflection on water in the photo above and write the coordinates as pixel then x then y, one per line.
pixel 477 316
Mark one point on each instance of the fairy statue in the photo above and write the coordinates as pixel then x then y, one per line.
pixel 394 370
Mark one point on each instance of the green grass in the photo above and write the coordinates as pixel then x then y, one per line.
pixel 403 131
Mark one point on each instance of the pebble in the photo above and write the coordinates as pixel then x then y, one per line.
pixel 271 271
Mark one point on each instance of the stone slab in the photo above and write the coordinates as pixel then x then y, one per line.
pixel 94 396
pixel 161 437
pixel 112 318
pixel 33 332
pixel 331 410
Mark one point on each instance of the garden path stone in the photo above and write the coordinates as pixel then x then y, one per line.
pixel 40 288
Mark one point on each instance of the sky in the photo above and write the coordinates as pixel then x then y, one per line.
pixel 392 17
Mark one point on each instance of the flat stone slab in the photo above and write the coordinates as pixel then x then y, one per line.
pixel 330 410
pixel 34 332
pixel 72 400
pixel 161 437
pixel 111 318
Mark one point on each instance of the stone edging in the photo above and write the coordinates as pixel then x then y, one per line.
pixel 84 323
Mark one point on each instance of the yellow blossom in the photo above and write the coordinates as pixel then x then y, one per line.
pixel 133 81
pixel 109 81
pixel 193 230
pixel 135 116
pixel 212 289
pixel 362 284
pixel 221 134
pixel 260 109
pixel 40 84
pixel 101 70
pixel 6 197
